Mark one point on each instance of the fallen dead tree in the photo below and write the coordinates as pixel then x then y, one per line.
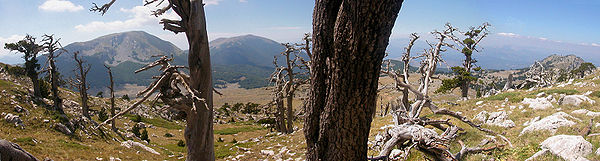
pixel 410 130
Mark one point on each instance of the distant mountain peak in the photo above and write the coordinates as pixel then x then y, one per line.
pixel 134 46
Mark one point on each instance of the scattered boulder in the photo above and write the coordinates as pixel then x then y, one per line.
pixel 537 103
pixel 14 119
pixel 62 128
pixel 586 112
pixel 575 100
pixel 499 118
pixel 568 147
pixel 12 151
pixel 550 123
pixel 20 109
pixel 131 144
pixel 267 152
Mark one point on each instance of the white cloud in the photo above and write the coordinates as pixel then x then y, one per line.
pixel 508 34
pixel 244 1
pixel 212 2
pixel 60 6
pixel 596 45
pixel 139 16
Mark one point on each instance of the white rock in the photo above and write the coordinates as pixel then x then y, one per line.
pixel 499 118
pixel 550 123
pixel 586 112
pixel 479 103
pixel 575 100
pixel 131 144
pixel 568 147
pixel 267 152
pixel 14 119
pixel 532 120
pixel 395 154
pixel 537 103
pixel 542 94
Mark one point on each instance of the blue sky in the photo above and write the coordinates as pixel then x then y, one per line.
pixel 568 21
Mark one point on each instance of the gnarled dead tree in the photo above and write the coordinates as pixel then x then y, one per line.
pixel 287 79
pixel 80 82
pixel 52 45
pixel 409 131
pixel 112 97
pixel 199 129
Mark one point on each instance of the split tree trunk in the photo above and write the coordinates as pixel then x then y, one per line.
pixel 350 39
pixel 199 129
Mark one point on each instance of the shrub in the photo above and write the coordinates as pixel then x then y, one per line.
pixel 234 141
pixel 168 135
pixel 136 131
pixel 596 94
pixel 251 108
pixel 145 135
pixel 125 97
pixel 102 116
pixel 180 143
pixel 15 71
pixel 136 118
pixel 45 88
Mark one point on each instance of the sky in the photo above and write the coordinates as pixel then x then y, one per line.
pixel 569 21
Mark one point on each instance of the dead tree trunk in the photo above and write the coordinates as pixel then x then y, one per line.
pixel 112 97
pixel 199 109
pixel 30 49
pixel 80 83
pixel 508 84
pixel 51 46
pixel 349 43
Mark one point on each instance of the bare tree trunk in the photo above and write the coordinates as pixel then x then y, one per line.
pixel 464 88
pixel 36 85
pixel 199 130
pixel 280 114
pixel 290 114
pixel 112 98
pixel 349 39
pixel 80 83
pixel 52 45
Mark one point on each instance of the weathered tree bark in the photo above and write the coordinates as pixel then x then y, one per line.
pixel 81 84
pixel 112 97
pixel 290 93
pixel 52 45
pixel 349 42
pixel 11 151
pixel 199 129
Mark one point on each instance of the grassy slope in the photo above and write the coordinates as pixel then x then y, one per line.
pixel 57 146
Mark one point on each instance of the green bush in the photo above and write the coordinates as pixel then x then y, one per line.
pixel 180 143
pixel 125 97
pixel 136 131
pixel 145 135
pixel 251 108
pixel 45 88
pixel 15 71
pixel 168 135
pixel 102 116
pixel 136 118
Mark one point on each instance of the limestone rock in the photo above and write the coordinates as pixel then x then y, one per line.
pixel 568 147
pixel 14 119
pixel 575 100
pixel 131 144
pixel 537 103
pixel 550 123
pixel 499 118
pixel 62 128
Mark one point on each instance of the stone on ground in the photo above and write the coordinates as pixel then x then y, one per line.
pixel 550 123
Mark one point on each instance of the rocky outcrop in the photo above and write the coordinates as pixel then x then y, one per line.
pixel 62 128
pixel 14 119
pixel 568 147
pixel 12 151
pixel 499 118
pixel 131 144
pixel 550 123
pixel 586 112
pixel 575 100
pixel 537 103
